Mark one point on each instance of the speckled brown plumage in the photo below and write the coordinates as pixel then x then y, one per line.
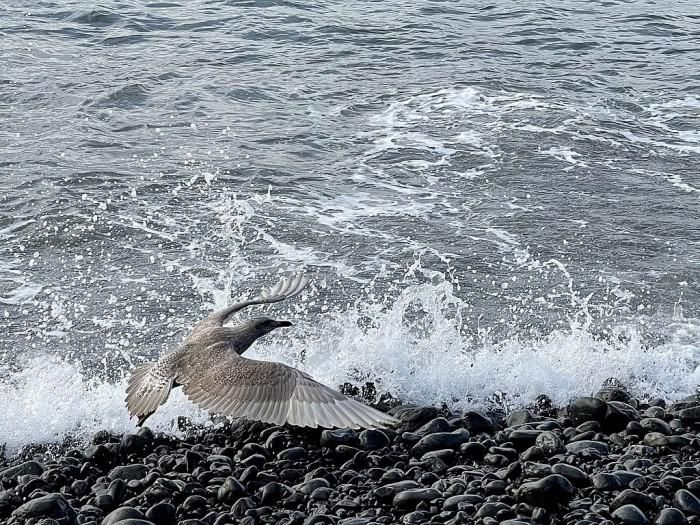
pixel 213 375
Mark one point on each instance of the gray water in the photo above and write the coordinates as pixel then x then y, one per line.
pixel 491 199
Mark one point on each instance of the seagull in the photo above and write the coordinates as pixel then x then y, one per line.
pixel 211 369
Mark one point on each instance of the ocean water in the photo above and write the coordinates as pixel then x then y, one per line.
pixel 494 201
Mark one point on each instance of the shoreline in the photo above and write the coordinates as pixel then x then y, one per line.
pixel 605 459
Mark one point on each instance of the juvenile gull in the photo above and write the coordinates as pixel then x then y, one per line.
pixel 212 373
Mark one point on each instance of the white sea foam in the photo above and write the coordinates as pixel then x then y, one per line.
pixel 415 347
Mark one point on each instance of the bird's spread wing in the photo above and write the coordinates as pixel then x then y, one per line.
pixel 276 393
pixel 149 386
pixel 287 287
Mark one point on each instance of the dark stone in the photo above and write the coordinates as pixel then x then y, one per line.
pixel 491 509
pixel 607 482
pixel 574 474
pixel 632 497
pixel 241 507
pixel 523 438
pixel 440 441
pixel 656 439
pixel 409 499
pixel 654 424
pixel 373 439
pixel 476 422
pixel 133 444
pixel 473 450
pixel 412 416
pixel 614 394
pixel 630 515
pixel 309 486
pixel 618 416
pixel 230 491
pixel 52 506
pixel 292 454
pixel 273 492
pixel 452 503
pixel 439 424
pixel 549 442
pixel 391 489
pixel 687 502
pixel 128 472
pixel 27 468
pixel 161 513
pixel 341 436
pixel 689 415
pixel 578 447
pixel 547 492
pixel 321 519
pixel 587 409
pixel 671 516
pixel 520 417
pixel 135 521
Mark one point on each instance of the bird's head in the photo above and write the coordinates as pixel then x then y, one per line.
pixel 265 325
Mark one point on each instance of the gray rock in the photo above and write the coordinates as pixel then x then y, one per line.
pixel 52 506
pixel 632 497
pixel 520 417
pixel 656 439
pixel 671 516
pixel 587 409
pixel 607 482
pixel 440 440
pixel 687 502
pixel 409 499
pixel 574 474
pixel 549 442
pixel 654 424
pixel 577 447
pixel 476 422
pixel 341 436
pixel 630 515
pixel 161 513
pixel 547 492
pixel 307 487
pixel 373 439
pixel 452 503
pixel 129 472
pixel 27 468
pixel 689 415
pixel 412 416
pixel 230 491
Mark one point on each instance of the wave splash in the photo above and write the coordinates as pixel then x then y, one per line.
pixel 417 347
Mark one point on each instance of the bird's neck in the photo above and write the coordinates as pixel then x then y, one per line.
pixel 241 340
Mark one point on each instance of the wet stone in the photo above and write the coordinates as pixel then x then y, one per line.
pixel 128 472
pixel 574 474
pixel 476 422
pixel 653 424
pixel 161 513
pixel 440 440
pixel 587 409
pixel 671 516
pixel 373 439
pixel 547 492
pixel 409 499
pixel 687 502
pixel 52 506
pixel 549 442
pixel 292 454
pixel 630 515
pixel 578 447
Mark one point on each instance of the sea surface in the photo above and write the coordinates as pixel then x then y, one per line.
pixel 493 200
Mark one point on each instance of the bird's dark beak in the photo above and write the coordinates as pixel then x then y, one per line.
pixel 280 324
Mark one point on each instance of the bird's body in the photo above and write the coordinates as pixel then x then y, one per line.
pixel 213 374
